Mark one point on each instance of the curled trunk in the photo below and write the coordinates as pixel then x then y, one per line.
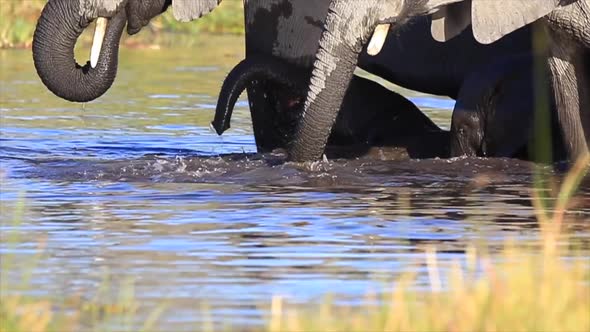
pixel 254 68
pixel 56 34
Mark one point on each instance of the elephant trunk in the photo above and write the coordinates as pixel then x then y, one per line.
pixel 334 67
pixel 254 68
pixel 55 36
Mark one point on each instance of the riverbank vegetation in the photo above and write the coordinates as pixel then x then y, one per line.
pixel 18 19
pixel 540 285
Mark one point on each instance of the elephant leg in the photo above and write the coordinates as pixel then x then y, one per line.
pixel 569 60
pixel 583 76
pixel 570 79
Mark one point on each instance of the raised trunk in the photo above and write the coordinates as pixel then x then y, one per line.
pixel 333 70
pixel 57 30
pixel 254 68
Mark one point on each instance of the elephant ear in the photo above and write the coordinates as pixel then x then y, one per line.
pixel 451 20
pixel 187 10
pixel 493 19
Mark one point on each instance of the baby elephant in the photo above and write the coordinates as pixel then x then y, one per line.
pixel 498 107
pixel 371 115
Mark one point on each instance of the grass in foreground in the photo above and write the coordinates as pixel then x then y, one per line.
pixel 526 287
pixel 528 290
pixel 19 17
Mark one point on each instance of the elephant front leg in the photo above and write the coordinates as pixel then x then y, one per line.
pixel 569 74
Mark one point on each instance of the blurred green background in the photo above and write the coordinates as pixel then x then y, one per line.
pixel 18 19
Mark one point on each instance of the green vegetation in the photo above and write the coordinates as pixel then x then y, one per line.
pixel 525 287
pixel 18 19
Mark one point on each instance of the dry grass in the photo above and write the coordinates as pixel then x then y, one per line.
pixel 527 287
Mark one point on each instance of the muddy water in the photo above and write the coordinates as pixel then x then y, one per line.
pixel 136 185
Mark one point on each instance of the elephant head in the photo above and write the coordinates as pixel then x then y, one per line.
pixel 273 129
pixel 62 22
pixel 351 24
pixel 287 31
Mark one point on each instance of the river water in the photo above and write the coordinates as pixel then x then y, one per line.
pixel 136 185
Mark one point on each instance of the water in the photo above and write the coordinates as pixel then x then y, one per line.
pixel 133 185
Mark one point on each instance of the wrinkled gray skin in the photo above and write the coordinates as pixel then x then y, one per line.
pixel 495 113
pixel 351 23
pixel 371 115
pixel 62 22
pixel 60 25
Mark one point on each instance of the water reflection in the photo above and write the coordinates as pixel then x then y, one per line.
pixel 134 184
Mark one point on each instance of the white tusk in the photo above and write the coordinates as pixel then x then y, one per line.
pixel 378 39
pixel 101 28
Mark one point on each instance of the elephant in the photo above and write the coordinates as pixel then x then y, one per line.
pixel 286 29
pixel 371 114
pixel 352 25
pixel 494 115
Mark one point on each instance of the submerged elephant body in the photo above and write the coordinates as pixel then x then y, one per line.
pixel 350 25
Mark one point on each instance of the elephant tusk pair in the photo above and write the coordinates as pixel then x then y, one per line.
pixel 378 39
pixel 99 33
